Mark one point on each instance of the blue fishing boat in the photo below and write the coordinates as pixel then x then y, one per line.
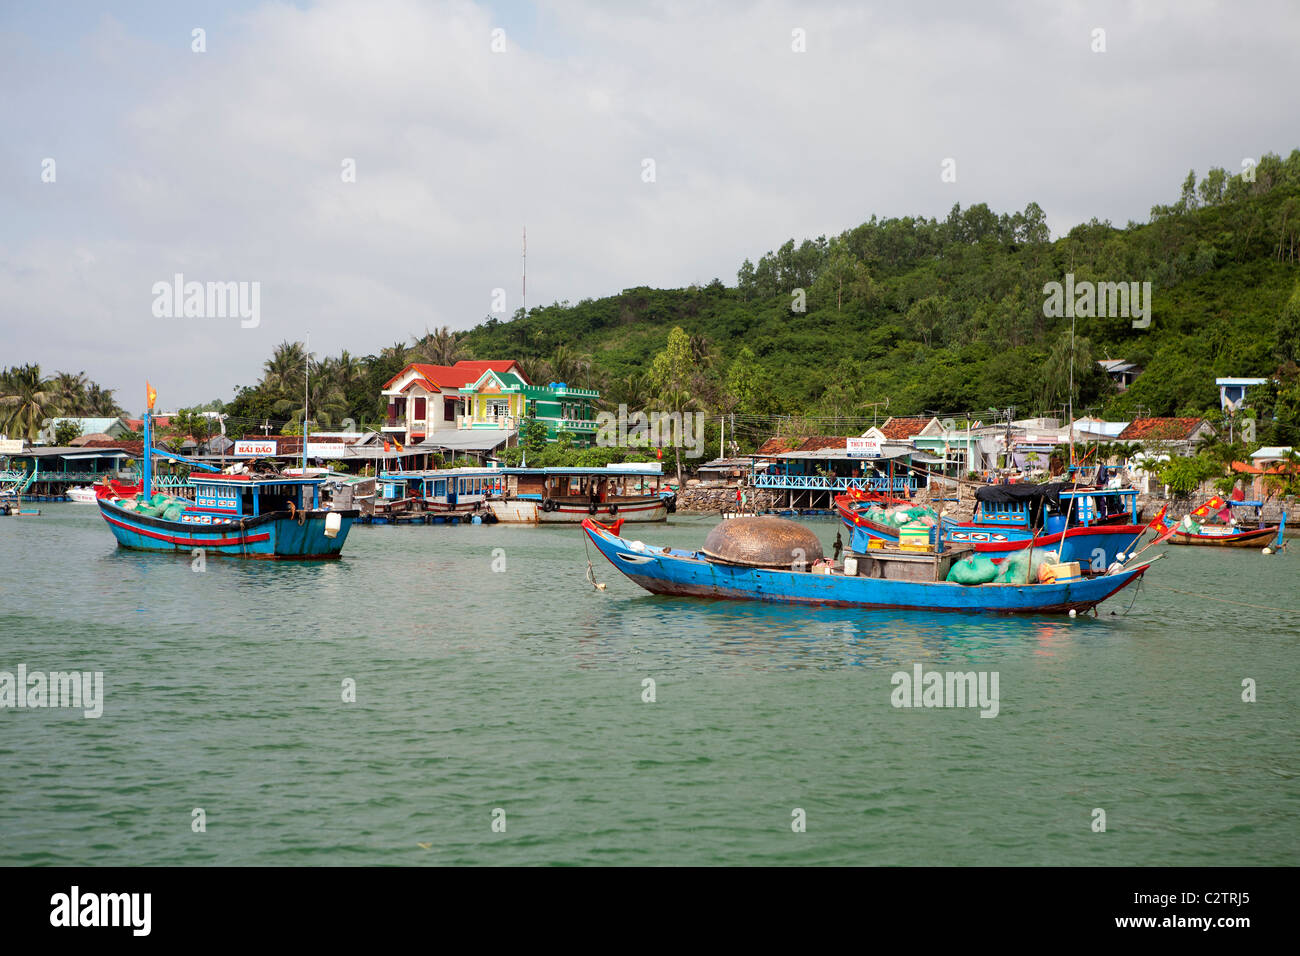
pixel 737 569
pixel 270 516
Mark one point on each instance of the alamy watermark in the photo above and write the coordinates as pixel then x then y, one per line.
pixel 208 300
pixel 923 688
pixel 57 689
pixel 1087 300
pixel 651 430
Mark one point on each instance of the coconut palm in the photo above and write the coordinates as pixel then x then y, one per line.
pixel 440 347
pixel 284 370
pixel 571 367
pixel 537 370
pixel 69 393
pixel 26 401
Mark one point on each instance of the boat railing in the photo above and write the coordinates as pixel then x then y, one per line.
pixel 822 483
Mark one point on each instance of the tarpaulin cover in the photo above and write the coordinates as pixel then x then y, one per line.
pixel 1006 494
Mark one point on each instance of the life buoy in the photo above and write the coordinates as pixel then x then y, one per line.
pixel 548 504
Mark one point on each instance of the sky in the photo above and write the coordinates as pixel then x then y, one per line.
pixel 641 144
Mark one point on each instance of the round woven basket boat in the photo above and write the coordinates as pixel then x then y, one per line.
pixel 763 543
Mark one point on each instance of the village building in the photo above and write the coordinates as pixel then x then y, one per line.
pixel 482 405
pixel 1120 372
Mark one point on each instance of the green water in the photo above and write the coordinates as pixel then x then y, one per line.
pixel 522 690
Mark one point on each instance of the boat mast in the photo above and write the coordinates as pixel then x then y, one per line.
pixel 306 393
pixel 1071 412
pixel 146 482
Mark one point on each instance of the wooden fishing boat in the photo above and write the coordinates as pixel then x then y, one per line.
pixel 1089 525
pixel 270 516
pixel 920 586
pixel 1229 534
pixel 263 516
pixel 436 496
pixel 633 492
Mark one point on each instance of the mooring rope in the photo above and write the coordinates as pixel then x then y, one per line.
pixel 591 572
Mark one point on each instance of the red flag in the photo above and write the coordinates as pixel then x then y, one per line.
pixel 1159 518
pixel 150 395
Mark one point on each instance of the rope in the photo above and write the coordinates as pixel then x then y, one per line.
pixel 591 572
pixel 1261 607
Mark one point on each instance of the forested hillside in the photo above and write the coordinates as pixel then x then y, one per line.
pixel 931 315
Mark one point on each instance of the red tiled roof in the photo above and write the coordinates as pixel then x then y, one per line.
pixel 820 442
pixel 131 447
pixel 1160 429
pixel 901 428
pixel 465 372
pixel 776 446
pixel 508 365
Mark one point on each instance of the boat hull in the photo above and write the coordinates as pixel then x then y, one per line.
pixel 663 571
pixel 275 536
pixel 530 511
pixel 1242 539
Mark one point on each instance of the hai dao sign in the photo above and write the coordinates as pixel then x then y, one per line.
pixel 863 448
pixel 254 449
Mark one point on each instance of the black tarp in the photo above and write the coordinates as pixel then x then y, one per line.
pixel 1007 494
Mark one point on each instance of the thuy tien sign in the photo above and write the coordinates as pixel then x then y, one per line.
pixel 863 448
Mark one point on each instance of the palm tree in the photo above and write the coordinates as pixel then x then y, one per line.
pixel 69 393
pixel 284 370
pixel 439 347
pixel 26 401
pixel 571 367
pixel 632 390
pixel 537 370
pixel 100 402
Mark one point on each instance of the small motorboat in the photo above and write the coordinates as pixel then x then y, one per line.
pixel 83 495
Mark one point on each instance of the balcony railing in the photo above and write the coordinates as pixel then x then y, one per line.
pixel 820 483
pixel 469 421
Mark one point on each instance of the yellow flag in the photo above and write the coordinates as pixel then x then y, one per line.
pixel 150 395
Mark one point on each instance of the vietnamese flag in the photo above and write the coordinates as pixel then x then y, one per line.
pixel 1159 518
pixel 150 395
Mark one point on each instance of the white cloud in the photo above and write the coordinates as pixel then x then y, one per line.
pixel 225 165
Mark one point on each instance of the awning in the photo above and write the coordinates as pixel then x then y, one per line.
pixel 469 440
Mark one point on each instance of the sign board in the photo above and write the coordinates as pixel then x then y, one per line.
pixel 863 448
pixel 254 449
pixel 325 449
pixel 11 446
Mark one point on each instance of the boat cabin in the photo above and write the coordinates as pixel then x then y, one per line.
pixel 219 498
pixel 1051 508
pixel 588 484
pixel 449 488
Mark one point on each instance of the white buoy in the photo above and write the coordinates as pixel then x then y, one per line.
pixel 1268 550
pixel 1073 613
pixel 1120 557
